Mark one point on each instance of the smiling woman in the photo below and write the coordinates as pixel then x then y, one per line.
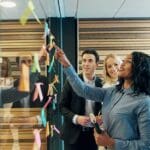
pixel 111 67
pixel 125 109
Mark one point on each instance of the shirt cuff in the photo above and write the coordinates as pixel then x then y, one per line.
pixel 118 144
pixel 74 120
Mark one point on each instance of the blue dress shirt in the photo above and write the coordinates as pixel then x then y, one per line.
pixel 126 116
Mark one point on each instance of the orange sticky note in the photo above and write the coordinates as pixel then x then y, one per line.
pixel 47 129
pixel 24 79
pixel 38 91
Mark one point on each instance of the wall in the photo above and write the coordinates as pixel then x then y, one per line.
pixel 17 40
pixel 113 36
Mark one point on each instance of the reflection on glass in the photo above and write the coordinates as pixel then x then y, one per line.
pixel 19 115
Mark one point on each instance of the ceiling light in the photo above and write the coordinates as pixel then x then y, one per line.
pixel 7 3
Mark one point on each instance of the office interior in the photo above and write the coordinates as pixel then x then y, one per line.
pixel 116 26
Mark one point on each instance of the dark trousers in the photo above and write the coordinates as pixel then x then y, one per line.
pixel 85 142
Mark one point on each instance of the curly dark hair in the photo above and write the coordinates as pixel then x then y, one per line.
pixel 140 73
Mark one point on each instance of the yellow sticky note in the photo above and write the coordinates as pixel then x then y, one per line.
pixel 30 5
pixel 25 16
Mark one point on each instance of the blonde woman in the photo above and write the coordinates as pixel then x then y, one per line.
pixel 111 67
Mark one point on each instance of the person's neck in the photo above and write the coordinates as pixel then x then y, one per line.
pixel 89 76
pixel 127 84
pixel 113 80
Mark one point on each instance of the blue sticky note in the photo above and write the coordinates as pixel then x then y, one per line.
pixel 43 117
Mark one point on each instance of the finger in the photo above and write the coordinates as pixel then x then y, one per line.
pixel 60 53
pixel 56 57
pixel 56 47
pixel 50 46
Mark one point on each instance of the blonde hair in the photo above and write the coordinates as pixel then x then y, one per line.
pixel 107 78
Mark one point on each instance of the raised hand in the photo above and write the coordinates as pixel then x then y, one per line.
pixel 61 57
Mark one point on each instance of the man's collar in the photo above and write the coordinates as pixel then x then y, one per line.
pixel 87 80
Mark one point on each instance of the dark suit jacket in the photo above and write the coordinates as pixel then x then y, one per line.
pixel 71 104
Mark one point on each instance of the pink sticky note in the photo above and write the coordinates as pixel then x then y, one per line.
pixel 55 129
pixel 46 104
pixel 37 137
pixel 38 92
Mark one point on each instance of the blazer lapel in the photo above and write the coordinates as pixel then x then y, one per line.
pixel 82 100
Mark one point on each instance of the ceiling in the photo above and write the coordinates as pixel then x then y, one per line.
pixel 80 9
